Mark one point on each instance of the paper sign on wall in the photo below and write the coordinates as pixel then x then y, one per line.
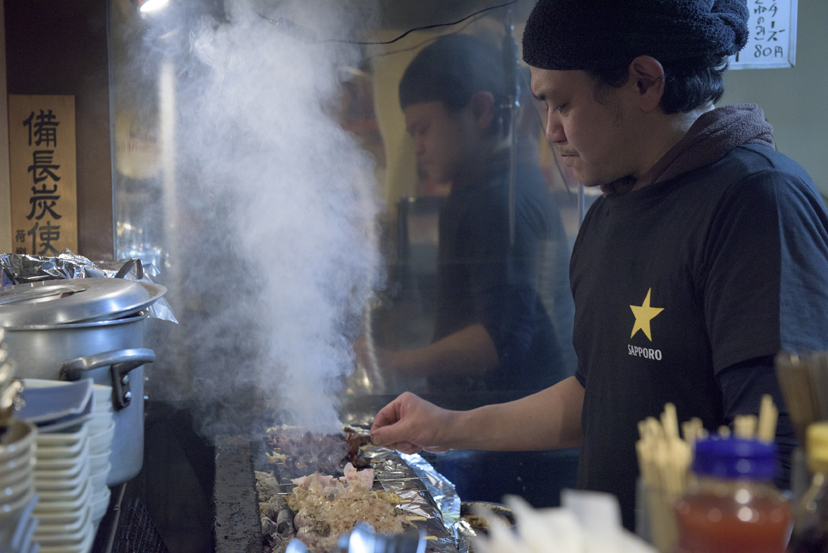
pixel 772 36
pixel 44 202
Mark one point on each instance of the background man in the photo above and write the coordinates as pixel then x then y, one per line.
pixel 503 317
pixel 709 250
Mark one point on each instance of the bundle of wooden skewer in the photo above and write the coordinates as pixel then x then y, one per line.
pixel 664 459
pixel 804 382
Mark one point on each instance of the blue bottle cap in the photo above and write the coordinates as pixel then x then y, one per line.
pixel 732 458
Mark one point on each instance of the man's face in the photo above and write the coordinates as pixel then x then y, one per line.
pixel 596 137
pixel 442 139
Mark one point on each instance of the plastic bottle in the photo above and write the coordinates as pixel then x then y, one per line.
pixel 810 533
pixel 731 506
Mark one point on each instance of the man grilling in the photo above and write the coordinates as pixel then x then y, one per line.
pixel 706 255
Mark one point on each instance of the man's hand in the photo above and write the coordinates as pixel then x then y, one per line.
pixel 410 424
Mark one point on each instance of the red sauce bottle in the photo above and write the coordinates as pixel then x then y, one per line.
pixel 731 506
pixel 810 534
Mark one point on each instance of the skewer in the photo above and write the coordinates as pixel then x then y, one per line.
pixel 378 479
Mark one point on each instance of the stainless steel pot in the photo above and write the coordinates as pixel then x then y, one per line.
pixel 124 371
pixel 88 350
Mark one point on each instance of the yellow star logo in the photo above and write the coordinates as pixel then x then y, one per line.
pixel 643 315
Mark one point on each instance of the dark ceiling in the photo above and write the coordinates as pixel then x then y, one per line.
pixel 398 14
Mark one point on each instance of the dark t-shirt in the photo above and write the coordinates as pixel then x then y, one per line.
pixel 519 292
pixel 682 279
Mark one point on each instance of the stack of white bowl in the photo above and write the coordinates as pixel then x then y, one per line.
pixel 17 497
pixel 72 463
pixel 101 432
pixel 62 474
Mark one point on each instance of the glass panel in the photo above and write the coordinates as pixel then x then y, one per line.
pixel 266 166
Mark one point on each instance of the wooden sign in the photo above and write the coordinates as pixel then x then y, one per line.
pixel 44 198
pixel 772 38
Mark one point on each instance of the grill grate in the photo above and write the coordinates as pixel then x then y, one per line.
pixel 136 533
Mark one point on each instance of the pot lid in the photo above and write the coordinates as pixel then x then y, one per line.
pixel 74 300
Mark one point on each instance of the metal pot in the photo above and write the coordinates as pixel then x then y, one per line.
pixel 124 371
pixel 96 350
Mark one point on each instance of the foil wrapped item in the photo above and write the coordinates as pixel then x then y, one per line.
pixel 428 500
pixel 22 268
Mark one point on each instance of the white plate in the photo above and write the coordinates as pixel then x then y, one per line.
pixel 52 400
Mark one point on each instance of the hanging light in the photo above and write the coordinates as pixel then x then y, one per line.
pixel 149 6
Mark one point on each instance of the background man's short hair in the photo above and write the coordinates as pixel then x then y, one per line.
pixel 450 70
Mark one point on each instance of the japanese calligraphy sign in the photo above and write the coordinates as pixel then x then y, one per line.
pixel 44 200
pixel 772 39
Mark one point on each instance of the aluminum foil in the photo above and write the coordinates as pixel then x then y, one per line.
pixel 20 268
pixel 428 498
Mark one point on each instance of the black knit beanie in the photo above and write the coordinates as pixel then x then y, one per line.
pixel 601 34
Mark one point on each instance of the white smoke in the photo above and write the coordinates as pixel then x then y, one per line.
pixel 275 212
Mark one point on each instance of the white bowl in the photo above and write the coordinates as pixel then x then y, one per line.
pixel 98 462
pixel 58 451
pixel 12 524
pixel 63 518
pixel 102 395
pixel 70 425
pixel 62 483
pixel 102 440
pixel 66 495
pixel 63 463
pixel 66 475
pixel 14 464
pixel 63 506
pixel 100 422
pixel 83 547
pixel 23 539
pixel 64 439
pixel 17 440
pixel 98 479
pixel 99 505
pixel 49 401
pixel 54 527
pixel 18 473
pixel 72 539
pixel 11 511
pixel 12 493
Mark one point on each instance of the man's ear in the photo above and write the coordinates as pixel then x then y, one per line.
pixel 482 106
pixel 647 74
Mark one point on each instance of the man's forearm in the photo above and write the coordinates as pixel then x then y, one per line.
pixel 549 419
pixel 468 351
